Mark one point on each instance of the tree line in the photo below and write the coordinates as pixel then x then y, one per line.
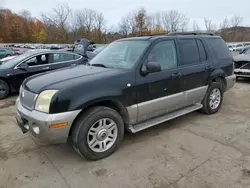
pixel 64 25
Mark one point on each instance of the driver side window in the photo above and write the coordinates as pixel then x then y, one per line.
pixel 35 61
pixel 164 53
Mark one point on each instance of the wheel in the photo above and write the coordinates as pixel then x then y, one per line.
pixel 97 133
pixel 4 89
pixel 213 98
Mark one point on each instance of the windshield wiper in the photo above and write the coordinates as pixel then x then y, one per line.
pixel 98 65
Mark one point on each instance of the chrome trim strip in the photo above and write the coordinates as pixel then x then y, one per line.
pixel 16 67
pixel 163 105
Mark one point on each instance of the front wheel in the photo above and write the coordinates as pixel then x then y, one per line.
pixel 98 133
pixel 4 89
pixel 213 98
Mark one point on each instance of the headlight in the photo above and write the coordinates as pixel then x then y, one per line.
pixel 43 100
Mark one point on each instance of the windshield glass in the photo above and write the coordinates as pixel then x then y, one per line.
pixel 120 54
pixel 248 51
pixel 12 62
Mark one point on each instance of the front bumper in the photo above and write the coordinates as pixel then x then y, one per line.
pixel 231 80
pixel 37 123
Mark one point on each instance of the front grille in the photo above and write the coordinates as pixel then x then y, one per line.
pixel 27 98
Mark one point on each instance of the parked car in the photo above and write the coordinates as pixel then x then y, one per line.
pixel 242 64
pixel 5 53
pixel 239 48
pixel 157 79
pixel 17 51
pixel 14 71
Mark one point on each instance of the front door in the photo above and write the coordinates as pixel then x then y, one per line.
pixel 195 68
pixel 159 93
pixel 34 65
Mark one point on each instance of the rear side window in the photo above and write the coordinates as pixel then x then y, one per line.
pixel 219 48
pixel 189 52
pixel 203 55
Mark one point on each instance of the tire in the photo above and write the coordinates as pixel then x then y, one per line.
pixel 207 109
pixel 88 123
pixel 4 89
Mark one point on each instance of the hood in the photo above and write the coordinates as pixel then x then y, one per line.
pixel 242 57
pixel 65 78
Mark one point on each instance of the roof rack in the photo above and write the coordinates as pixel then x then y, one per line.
pixel 151 35
pixel 190 33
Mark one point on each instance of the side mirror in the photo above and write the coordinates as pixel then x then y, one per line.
pixel 150 68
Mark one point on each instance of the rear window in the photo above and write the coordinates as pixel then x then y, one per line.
pixel 219 48
pixel 189 52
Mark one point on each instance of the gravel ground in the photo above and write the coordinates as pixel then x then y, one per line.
pixel 194 151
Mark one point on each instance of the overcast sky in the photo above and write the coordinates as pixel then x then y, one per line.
pixel 113 10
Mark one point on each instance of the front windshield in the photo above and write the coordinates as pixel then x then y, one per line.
pixel 120 54
pixel 14 61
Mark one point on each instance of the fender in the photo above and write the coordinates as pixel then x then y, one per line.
pixel 216 73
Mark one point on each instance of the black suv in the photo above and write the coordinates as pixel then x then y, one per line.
pixel 133 84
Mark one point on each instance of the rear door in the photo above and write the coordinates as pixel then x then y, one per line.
pixel 195 68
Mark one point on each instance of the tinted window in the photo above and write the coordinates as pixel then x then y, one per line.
pixel 60 57
pixel 37 60
pixel 189 52
pixel 203 55
pixel 2 50
pixel 164 53
pixel 76 56
pixel 219 48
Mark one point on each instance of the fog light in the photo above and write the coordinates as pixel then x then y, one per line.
pixel 54 126
pixel 36 130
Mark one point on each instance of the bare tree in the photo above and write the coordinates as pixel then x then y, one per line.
pixel 174 21
pixel 225 23
pixel 59 19
pixel 236 21
pixel 196 27
pixel 210 26
pixel 124 26
pixel 99 25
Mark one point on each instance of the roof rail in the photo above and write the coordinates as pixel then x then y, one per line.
pixel 151 35
pixel 190 33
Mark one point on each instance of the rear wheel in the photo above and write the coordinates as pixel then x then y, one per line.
pixel 98 133
pixel 213 98
pixel 4 89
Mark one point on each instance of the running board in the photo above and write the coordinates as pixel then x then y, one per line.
pixel 155 121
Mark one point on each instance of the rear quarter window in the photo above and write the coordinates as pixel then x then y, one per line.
pixel 219 48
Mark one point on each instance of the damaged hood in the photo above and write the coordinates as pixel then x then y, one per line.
pixel 242 57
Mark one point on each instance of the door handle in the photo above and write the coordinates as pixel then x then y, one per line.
pixel 176 75
pixel 45 68
pixel 208 67
pixel 74 64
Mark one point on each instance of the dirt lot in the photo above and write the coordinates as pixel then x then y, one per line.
pixel 194 151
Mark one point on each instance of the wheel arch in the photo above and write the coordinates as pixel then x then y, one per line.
pixel 111 103
pixel 218 75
